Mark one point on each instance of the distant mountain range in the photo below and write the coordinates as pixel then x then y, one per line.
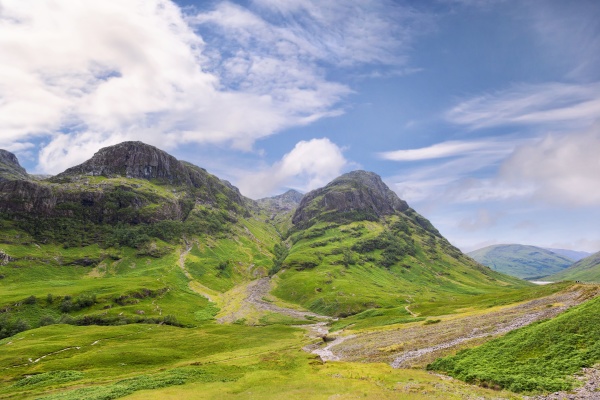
pixel 571 254
pixel 526 262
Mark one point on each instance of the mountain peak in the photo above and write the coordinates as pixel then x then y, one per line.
pixel 283 202
pixel 10 169
pixel 132 160
pixel 357 194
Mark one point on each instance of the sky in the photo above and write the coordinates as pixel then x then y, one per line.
pixel 484 115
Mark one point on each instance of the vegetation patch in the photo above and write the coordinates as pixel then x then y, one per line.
pixel 540 357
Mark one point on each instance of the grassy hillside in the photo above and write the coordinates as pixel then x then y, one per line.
pixel 585 270
pixel 343 269
pixel 526 262
pixel 539 357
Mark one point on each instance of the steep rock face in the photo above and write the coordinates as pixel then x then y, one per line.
pixel 131 160
pixel 360 193
pixel 10 169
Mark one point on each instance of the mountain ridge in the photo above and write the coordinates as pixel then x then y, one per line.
pixel 522 261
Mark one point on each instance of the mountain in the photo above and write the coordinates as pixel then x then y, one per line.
pixel 125 250
pixel 130 183
pixel 358 195
pixel 10 169
pixel 585 270
pixel 571 254
pixel 287 201
pixel 527 262
pixel 355 245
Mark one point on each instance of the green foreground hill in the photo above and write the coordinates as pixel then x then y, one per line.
pixel 541 357
pixel 584 270
pixel 526 262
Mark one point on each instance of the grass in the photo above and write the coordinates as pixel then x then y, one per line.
pixel 539 357
pixel 343 270
pixel 209 362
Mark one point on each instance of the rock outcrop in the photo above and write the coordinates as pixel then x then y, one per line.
pixel 131 160
pixel 359 193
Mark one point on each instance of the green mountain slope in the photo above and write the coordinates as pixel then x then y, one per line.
pixel 585 270
pixel 355 245
pixel 527 262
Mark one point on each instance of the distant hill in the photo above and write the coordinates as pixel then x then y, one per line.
pixel 526 262
pixel 585 270
pixel 287 201
pixel 572 254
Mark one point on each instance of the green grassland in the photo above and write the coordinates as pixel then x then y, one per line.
pixel 227 361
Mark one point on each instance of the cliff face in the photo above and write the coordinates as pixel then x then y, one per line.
pixel 10 169
pixel 131 160
pixel 359 192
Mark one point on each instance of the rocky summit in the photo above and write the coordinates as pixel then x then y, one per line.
pixel 357 194
pixel 132 160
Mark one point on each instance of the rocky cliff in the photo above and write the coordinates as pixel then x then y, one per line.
pixel 357 195
pixel 129 183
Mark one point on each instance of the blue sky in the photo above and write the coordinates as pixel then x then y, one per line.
pixel 483 115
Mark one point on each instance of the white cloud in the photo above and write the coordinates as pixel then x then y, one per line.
pixel 78 75
pixel 442 150
pixel 560 169
pixel 563 105
pixel 480 220
pixel 449 179
pixel 310 164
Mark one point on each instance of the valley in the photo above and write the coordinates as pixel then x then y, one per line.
pixel 135 275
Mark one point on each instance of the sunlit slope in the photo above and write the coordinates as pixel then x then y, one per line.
pixel 585 270
pixel 355 245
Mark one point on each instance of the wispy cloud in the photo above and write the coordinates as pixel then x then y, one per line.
pixel 441 179
pixel 445 149
pixel 77 75
pixel 309 165
pixel 563 105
